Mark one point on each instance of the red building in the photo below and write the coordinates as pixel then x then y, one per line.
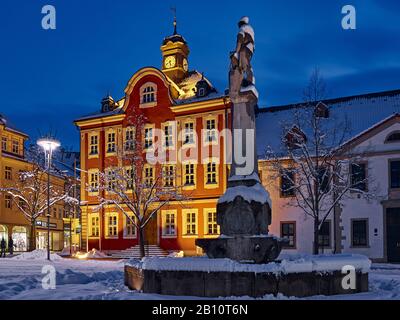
pixel 190 114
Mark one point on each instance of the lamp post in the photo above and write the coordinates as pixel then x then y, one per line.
pixel 48 145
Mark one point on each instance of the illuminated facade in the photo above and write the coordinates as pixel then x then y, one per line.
pixel 190 114
pixel 13 224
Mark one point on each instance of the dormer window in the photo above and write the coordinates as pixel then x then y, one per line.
pixel 321 110
pixel 295 138
pixel 202 92
pixel 148 94
pixel 393 137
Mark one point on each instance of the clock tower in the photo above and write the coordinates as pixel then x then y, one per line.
pixel 175 52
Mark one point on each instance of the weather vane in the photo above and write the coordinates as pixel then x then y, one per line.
pixel 173 9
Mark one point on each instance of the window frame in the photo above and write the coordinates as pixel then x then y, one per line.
pixel 94 227
pixel 145 176
pixel 144 93
pixel 114 225
pixel 184 175
pixel 164 214
pixel 148 128
pixel 321 246
pixel 390 161
pixel 214 132
pixel 92 145
pixel 282 193
pixel 356 246
pixel 192 212
pixel 95 172
pixel 361 163
pixel 129 144
pixel 206 213
pixel 207 162
pixel 125 227
pixel 294 246
pixel 109 143
pixel 8 173
pixel 190 133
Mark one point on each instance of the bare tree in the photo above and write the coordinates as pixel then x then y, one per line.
pixel 29 194
pixel 317 167
pixel 134 187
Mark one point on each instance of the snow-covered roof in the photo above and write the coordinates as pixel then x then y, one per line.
pixel 362 113
pixel 188 84
pixel 9 126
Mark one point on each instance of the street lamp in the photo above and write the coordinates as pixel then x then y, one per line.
pixel 48 145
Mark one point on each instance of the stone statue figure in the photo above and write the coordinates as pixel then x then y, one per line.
pixel 244 211
pixel 241 72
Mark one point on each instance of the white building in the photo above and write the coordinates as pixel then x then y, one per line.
pixel 357 225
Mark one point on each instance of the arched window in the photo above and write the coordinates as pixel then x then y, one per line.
pixel 148 93
pixel 20 239
pixel 393 137
pixel 3 233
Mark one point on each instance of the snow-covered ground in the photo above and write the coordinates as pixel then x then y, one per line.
pixel 103 279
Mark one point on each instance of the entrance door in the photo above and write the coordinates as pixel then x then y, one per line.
pixel 151 235
pixel 393 234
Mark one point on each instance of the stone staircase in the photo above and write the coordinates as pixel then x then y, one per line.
pixel 134 252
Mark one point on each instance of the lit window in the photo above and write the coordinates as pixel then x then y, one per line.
pixel 111 142
pixel 211 132
pixel 94 145
pixel 8 201
pixel 111 180
pixel 130 228
pixel 189 133
pixel 191 223
pixel 169 175
pixel 148 138
pixel 130 139
pixel 8 173
pixel 149 94
pixel 168 136
pixel 112 227
pixel 94 226
pixel 94 181
pixel 169 224
pixel 211 173
pixel 288 231
pixel 148 176
pixel 15 147
pixel 129 178
pixel 189 175
pixel 212 226
pixel 4 143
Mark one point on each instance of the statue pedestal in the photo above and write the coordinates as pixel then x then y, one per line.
pixel 244 211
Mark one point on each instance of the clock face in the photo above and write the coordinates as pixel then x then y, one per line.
pixel 185 65
pixel 170 62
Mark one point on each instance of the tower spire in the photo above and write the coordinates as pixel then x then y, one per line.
pixel 173 9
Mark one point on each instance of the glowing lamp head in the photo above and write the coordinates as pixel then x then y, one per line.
pixel 48 144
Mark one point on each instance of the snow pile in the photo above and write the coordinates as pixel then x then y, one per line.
pixel 321 263
pixel 255 193
pixel 37 255
pixel 96 254
pixel 66 251
pixel 176 254
pixel 93 254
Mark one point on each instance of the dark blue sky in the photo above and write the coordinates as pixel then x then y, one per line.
pixel 49 78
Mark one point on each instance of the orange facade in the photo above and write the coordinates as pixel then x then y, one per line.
pixel 191 115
